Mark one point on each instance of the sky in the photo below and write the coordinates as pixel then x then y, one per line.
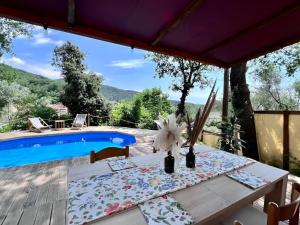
pixel 120 66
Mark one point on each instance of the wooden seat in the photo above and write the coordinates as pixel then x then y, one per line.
pixel 237 223
pixel 276 214
pixel 108 153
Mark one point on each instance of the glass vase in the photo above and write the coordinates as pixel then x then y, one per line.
pixel 190 158
pixel 169 163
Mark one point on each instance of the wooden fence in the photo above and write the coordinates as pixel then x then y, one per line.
pixel 278 137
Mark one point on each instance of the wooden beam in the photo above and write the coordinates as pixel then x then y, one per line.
pixel 71 12
pixel 260 24
pixel 188 9
pixel 24 16
pixel 286 141
pixel 268 49
pixel 225 96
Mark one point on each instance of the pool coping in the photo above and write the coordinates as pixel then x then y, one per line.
pixel 70 133
pixel 122 130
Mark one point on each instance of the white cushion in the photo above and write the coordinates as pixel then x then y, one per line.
pixel 248 215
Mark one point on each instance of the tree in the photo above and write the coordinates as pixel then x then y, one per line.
pixel 242 108
pixel 296 87
pixel 287 60
pixel 269 95
pixel 10 29
pixel 155 101
pixel 142 110
pixel 81 92
pixel 11 94
pixel 186 75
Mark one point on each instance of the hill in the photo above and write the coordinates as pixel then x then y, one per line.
pixel 115 94
pixel 43 86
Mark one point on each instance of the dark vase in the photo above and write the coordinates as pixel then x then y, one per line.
pixel 190 158
pixel 169 163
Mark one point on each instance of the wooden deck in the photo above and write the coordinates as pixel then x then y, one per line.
pixel 37 194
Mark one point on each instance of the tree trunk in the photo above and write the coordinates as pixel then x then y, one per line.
pixel 242 107
pixel 181 106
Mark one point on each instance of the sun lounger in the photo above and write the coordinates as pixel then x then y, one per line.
pixel 37 124
pixel 79 121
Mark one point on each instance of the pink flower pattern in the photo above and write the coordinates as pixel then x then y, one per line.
pixel 98 196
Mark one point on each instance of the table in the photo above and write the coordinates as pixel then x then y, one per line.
pixel 208 202
pixel 59 124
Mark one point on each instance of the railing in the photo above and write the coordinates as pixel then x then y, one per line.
pixel 278 137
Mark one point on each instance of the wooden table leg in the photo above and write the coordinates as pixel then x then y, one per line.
pixel 278 194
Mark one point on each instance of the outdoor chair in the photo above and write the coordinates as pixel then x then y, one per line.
pixel 79 121
pixel 275 214
pixel 37 124
pixel 108 153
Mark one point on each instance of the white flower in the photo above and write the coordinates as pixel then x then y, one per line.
pixel 169 134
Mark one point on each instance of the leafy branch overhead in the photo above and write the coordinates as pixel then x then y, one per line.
pixel 185 74
pixel 9 30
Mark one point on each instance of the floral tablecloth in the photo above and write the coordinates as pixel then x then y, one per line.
pixel 98 196
pixel 120 164
pixel 248 179
pixel 165 210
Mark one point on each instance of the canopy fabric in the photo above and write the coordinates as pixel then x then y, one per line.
pixel 213 31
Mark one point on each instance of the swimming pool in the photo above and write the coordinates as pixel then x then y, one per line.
pixel 29 150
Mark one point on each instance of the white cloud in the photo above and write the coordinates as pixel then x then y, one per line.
pixel 128 63
pixel 13 61
pixel 41 39
pixel 44 69
pixel 99 74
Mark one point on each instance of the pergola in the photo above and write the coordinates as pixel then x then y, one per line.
pixel 216 32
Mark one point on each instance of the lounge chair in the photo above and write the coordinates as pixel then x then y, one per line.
pixel 79 121
pixel 37 124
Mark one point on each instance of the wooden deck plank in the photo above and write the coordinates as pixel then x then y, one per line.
pixel 59 212
pixel 2 218
pixel 42 196
pixel 43 216
pixel 31 198
pixel 52 193
pixel 28 216
pixel 12 218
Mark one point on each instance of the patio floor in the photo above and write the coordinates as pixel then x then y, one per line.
pixel 37 194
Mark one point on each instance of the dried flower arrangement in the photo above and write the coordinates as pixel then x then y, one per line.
pixel 195 128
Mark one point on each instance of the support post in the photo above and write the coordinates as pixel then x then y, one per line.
pixel 286 140
pixel 225 95
pixel 89 120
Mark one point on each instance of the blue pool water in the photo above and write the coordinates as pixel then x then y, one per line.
pixel 23 151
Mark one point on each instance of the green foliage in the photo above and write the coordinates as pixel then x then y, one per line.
pixel 11 93
pixel 271 72
pixel 229 138
pixel 155 102
pixel 286 60
pixel 32 106
pixel 142 111
pixel 270 95
pixel 294 165
pixel 10 29
pixel 6 128
pixel 81 92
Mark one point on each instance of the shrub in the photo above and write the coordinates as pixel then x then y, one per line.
pixel 142 111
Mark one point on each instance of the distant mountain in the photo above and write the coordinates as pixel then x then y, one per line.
pixel 42 85
pixel 115 94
